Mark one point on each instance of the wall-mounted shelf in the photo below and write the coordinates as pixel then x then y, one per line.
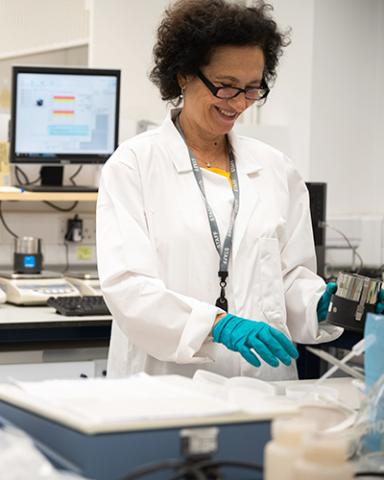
pixel 49 196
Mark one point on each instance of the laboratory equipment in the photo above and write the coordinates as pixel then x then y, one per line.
pixel 284 449
pixel 324 457
pixel 368 444
pixel 110 432
pixel 27 257
pixel 86 282
pixel 339 364
pixel 374 357
pixel 79 306
pixel 356 295
pixel 34 289
pixel 63 115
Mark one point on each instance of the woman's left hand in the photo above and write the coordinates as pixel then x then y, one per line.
pixel 379 307
pixel 325 300
pixel 323 305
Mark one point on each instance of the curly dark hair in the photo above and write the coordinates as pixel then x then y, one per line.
pixel 192 29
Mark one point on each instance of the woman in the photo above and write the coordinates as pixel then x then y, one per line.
pixel 194 221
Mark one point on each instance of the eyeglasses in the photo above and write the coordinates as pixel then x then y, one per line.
pixel 228 92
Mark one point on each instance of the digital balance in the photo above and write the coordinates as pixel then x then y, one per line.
pixel 86 282
pixel 35 288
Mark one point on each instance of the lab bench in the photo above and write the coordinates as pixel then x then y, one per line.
pixel 110 453
pixel 37 343
pixel 40 327
pixel 111 456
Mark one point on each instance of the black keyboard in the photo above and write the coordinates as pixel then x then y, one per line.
pixel 79 306
pixel 58 188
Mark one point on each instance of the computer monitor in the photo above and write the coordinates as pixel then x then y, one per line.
pixel 63 115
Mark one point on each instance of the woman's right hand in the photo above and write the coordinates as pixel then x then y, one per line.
pixel 249 336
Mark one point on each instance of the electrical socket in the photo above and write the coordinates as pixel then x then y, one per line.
pixel 89 227
pixel 51 227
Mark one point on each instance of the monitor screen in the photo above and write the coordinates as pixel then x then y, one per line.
pixel 64 115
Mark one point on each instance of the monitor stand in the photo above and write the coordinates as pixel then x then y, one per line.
pixel 52 176
pixel 52 181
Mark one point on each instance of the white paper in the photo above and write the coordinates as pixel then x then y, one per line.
pixel 134 399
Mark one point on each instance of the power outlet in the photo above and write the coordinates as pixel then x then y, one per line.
pixel 89 228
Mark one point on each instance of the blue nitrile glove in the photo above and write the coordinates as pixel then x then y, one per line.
pixel 379 307
pixel 243 336
pixel 325 300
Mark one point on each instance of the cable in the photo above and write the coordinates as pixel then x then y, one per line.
pixel 165 465
pixel 26 181
pixel 37 180
pixel 5 223
pixel 154 467
pixel 71 178
pixel 66 258
pixel 62 209
pixel 187 471
pixel 354 250
pixel 228 463
pixel 207 464
pixel 369 474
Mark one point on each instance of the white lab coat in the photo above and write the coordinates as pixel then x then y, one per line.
pixel 158 265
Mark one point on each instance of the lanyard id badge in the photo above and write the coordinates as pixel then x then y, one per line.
pixel 224 250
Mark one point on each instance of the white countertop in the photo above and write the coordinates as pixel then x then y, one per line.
pixel 81 418
pixel 13 314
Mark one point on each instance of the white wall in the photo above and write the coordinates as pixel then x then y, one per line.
pixel 31 25
pixel 289 103
pixel 40 32
pixel 347 121
pixel 376 179
pixel 122 35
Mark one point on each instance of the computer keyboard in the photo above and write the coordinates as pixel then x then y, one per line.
pixel 58 188
pixel 79 306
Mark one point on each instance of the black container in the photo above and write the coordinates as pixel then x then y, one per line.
pixel 342 313
pixel 356 296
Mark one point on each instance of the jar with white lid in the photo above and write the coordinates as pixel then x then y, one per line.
pixel 323 457
pixel 285 447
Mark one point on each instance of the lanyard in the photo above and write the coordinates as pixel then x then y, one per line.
pixel 225 250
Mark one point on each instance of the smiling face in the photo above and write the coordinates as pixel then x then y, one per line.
pixel 234 66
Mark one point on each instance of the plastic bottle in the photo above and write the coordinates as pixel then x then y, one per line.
pixel 323 457
pixel 368 433
pixel 285 447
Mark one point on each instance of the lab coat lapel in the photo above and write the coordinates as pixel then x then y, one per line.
pixel 174 144
pixel 248 170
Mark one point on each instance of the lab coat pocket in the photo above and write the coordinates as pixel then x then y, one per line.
pixel 272 293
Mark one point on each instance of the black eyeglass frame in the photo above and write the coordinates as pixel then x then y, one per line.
pixel 214 90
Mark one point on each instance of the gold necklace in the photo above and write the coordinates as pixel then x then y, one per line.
pixel 211 165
